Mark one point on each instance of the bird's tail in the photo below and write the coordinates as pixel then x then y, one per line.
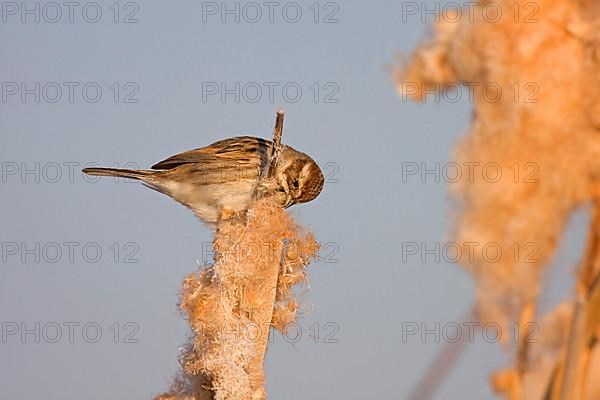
pixel 121 173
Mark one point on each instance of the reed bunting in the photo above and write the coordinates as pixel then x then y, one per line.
pixel 226 177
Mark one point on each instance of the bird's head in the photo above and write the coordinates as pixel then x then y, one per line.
pixel 299 178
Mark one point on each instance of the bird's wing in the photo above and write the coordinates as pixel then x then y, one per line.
pixel 244 150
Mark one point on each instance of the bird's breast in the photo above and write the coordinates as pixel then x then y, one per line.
pixel 207 200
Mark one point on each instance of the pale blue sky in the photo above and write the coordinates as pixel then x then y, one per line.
pixel 162 61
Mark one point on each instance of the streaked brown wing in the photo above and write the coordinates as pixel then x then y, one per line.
pixel 239 150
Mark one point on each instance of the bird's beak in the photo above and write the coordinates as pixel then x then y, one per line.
pixel 289 201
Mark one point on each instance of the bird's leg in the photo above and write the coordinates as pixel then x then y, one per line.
pixel 265 187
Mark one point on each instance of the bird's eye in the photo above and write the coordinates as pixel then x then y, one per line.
pixel 295 184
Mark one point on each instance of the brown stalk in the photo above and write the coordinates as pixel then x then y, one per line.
pixel 440 367
pixel 573 371
pixel 262 314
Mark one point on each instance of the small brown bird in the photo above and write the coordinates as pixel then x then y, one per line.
pixel 224 178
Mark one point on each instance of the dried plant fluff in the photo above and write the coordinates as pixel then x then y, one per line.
pixel 552 142
pixel 543 134
pixel 232 304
